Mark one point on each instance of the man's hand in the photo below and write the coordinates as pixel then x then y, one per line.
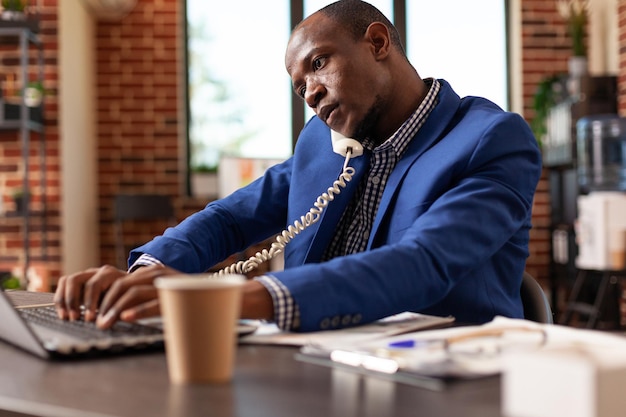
pixel 84 289
pixel 133 296
pixel 125 296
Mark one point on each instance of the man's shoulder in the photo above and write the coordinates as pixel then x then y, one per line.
pixel 488 114
pixel 470 103
pixel 313 135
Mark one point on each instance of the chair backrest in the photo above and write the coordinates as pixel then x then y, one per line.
pixel 536 304
pixel 138 208
pixel 142 207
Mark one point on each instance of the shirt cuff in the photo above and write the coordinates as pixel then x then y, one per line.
pixel 144 260
pixel 286 311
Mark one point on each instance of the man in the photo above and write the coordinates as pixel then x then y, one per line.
pixel 436 218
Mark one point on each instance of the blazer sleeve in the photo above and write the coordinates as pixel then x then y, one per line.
pixel 224 227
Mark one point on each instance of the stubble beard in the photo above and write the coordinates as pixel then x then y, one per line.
pixel 366 128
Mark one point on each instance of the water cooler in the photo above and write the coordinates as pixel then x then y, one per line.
pixel 601 231
pixel 600 225
pixel 601 150
pixel 601 222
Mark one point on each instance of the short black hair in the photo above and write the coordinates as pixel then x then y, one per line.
pixel 357 15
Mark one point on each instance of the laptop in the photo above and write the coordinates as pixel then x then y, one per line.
pixel 37 329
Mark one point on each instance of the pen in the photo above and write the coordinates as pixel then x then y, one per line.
pixel 402 344
pixel 412 343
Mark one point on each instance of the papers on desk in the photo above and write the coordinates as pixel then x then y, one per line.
pixel 316 346
pixel 431 358
pixel 269 333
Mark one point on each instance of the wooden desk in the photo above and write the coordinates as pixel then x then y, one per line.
pixel 268 382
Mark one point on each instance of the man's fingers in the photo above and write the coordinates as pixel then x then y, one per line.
pixel 83 287
pixel 96 286
pixel 59 303
pixel 143 276
pixel 149 309
pixel 137 302
pixel 129 292
pixel 69 293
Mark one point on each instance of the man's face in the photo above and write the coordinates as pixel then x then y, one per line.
pixel 338 77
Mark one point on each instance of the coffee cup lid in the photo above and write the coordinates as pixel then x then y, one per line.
pixel 198 281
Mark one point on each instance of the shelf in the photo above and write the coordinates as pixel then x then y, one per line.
pixel 14 214
pixel 16 124
pixel 30 24
pixel 16 116
pixel 560 159
pixel 10 117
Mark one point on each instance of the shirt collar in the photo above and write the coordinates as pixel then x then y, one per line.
pixel 400 139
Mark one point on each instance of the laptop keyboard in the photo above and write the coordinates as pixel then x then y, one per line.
pixel 47 316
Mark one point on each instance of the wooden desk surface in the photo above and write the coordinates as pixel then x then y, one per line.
pixel 268 382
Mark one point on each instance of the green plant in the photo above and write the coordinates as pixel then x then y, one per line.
pixel 204 168
pixel 575 14
pixel 33 93
pixel 9 282
pixel 37 85
pixel 546 96
pixel 18 193
pixel 14 5
pixel 20 199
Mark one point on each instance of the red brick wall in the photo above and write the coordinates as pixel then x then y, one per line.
pixel 139 147
pixel 12 164
pixel 621 80
pixel 545 51
pixel 139 150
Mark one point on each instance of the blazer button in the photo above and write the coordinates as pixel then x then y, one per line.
pixel 335 322
pixel 356 319
pixel 325 323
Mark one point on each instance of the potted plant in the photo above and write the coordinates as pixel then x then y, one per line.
pixel 33 94
pixel 14 9
pixel 574 12
pixel 204 180
pixel 8 281
pixel 549 91
pixel 21 200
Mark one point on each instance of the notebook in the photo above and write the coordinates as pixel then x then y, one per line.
pixel 37 329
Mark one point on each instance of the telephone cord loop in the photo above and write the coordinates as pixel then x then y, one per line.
pixel 311 217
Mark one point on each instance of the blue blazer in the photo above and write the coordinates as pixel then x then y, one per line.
pixel 450 236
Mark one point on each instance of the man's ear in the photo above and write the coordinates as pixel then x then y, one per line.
pixel 378 36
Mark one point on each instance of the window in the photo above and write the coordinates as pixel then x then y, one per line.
pixel 467 48
pixel 240 98
pixel 239 91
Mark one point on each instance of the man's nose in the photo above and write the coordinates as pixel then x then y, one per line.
pixel 313 94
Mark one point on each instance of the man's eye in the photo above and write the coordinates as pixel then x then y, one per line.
pixel 318 63
pixel 302 91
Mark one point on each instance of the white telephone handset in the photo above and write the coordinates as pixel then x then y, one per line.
pixel 342 144
pixel 345 147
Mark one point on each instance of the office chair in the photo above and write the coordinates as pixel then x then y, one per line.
pixel 536 305
pixel 135 208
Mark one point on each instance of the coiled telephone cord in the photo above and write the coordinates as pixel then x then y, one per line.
pixel 311 217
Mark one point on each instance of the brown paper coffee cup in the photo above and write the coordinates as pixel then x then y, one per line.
pixel 200 316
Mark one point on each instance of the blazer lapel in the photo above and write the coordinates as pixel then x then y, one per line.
pixel 332 213
pixel 433 129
